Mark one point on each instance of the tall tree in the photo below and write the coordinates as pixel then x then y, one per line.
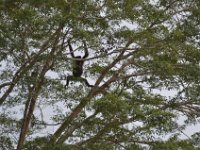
pixel 138 49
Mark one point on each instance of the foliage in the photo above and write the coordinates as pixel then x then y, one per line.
pixel 174 144
pixel 139 49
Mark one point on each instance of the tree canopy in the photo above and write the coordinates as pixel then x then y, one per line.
pixel 144 63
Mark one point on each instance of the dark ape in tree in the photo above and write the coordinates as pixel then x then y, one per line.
pixel 78 66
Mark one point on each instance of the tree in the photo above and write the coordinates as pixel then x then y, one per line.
pixel 135 49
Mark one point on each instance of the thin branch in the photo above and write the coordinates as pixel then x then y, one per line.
pixel 74 127
pixel 34 94
pixel 25 67
pixel 5 84
pixel 100 133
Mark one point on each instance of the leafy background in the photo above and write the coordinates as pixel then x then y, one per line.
pixel 138 50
